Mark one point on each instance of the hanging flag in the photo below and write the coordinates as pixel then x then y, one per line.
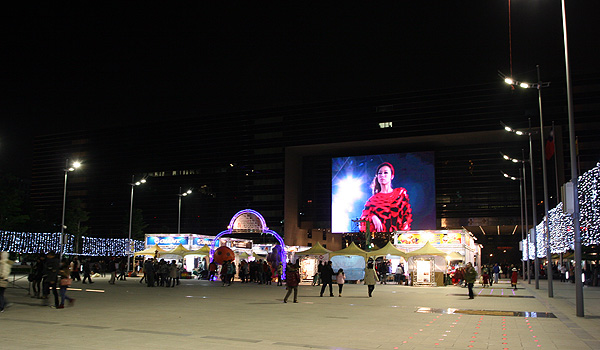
pixel 550 145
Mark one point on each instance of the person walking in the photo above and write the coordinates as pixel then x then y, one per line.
pixel 145 275
pixel 112 269
pixel 51 267
pixel 5 267
pixel 514 278
pixel 470 276
pixel 212 270
pixel 173 274
pixel 280 274
pixel 87 271
pixel 340 279
pixel 38 275
pixel 496 272
pixel 370 278
pixel 122 270
pixel 149 272
pixel 65 274
pixel 485 276
pixel 291 281
pixel 563 273
pixel 224 273
pixel 326 277
pixel 230 272
pixel 75 266
pixel 319 270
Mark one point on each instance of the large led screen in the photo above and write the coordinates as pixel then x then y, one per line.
pixel 387 192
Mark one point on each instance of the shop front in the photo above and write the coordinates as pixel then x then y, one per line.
pixel 432 253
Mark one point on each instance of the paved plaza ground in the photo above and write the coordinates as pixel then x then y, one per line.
pixel 206 315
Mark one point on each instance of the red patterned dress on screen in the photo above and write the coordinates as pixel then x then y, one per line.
pixel 393 209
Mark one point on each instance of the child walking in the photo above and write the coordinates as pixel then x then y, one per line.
pixel 341 279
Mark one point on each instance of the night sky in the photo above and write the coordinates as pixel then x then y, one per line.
pixel 113 65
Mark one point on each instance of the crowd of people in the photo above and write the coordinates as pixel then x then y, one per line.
pixel 160 273
pixel 49 275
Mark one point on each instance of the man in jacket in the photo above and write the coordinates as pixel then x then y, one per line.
pixel 495 273
pixel 292 280
pixel 326 277
pixel 470 277
pixel 51 267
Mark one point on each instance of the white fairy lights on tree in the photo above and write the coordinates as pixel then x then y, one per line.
pixel 561 225
pixel 588 188
pixel 30 243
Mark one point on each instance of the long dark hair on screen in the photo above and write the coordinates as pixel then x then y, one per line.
pixel 375 185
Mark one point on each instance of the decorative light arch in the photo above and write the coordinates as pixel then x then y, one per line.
pixel 261 228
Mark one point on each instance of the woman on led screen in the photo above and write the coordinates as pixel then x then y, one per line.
pixel 388 209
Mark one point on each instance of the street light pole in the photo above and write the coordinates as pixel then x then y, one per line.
pixel 180 194
pixel 574 176
pixel 62 223
pixel 523 203
pixel 130 250
pixel 536 268
pixel 533 202
pixel 545 181
pixel 526 217
pixel 64 205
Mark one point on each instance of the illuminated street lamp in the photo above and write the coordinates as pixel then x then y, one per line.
pixel 539 85
pixel 68 168
pixel 181 194
pixel 133 184
pixel 523 200
pixel 536 268
pixel 574 176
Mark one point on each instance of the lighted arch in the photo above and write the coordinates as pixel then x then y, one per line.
pixel 263 229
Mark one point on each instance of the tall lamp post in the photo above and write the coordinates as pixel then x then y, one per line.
pixel 526 217
pixel 68 168
pixel 539 85
pixel 574 176
pixel 523 201
pixel 133 184
pixel 181 194
pixel 536 268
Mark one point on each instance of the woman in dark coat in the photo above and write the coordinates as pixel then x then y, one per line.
pixel 514 278
pixel 292 280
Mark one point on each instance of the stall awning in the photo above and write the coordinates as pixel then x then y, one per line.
pixel 317 249
pixel 455 256
pixel 427 249
pixel 388 249
pixel 205 250
pixel 352 249
pixel 150 251
pixel 179 251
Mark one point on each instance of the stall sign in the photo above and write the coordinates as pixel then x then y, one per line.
pixel 166 240
pixel 202 241
pixel 433 238
pixel 240 244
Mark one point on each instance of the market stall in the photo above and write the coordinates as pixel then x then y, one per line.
pixel 427 266
pixel 352 259
pixel 393 255
pixel 198 257
pixel 309 260
pixel 448 241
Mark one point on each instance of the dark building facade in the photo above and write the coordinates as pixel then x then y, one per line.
pixel 278 161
